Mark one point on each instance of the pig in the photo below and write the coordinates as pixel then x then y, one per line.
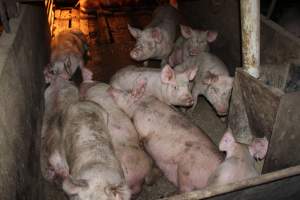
pixel 94 170
pixel 58 96
pixel 239 163
pixel 136 164
pixel 68 51
pixel 212 80
pixel 165 84
pixel 184 153
pixel 290 20
pixel 191 43
pixel 157 39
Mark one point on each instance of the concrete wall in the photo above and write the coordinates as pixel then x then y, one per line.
pixel 23 54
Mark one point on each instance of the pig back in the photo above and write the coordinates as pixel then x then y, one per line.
pixel 85 137
pixel 126 78
pixel 167 19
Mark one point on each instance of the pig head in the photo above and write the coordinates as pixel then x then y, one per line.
pixel 197 40
pixel 217 90
pixel 149 43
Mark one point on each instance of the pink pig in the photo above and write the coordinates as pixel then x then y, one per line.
pixel 157 39
pixel 239 162
pixel 183 152
pixel 191 43
pixel 212 80
pixel 136 164
pixel 167 85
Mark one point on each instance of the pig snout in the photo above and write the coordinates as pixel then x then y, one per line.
pixel 188 100
pixel 136 53
pixel 222 110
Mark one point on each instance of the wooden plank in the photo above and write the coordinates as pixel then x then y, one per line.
pixel 75 19
pixel 261 104
pixel 84 26
pixel 279 185
pixel 104 36
pixel 237 119
pixel 284 145
pixel 65 18
pixel 65 14
pixel 57 13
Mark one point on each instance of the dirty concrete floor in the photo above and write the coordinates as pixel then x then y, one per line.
pixel 110 44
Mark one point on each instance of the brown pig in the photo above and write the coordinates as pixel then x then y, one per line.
pixel 68 51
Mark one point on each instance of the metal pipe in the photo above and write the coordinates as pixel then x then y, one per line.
pixel 250 23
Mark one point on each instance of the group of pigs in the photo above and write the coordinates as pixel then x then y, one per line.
pixel 104 141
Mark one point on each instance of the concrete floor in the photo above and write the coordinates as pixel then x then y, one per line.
pixel 110 46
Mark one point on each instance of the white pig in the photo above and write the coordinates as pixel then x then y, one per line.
pixel 157 39
pixel 94 171
pixel 68 51
pixel 191 43
pixel 212 80
pixel 58 96
pixel 167 85
pixel 135 162
pixel 239 163
pixel 183 152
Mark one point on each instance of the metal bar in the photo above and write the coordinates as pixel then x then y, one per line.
pixel 250 23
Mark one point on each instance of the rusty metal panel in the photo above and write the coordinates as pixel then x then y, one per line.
pixel 261 104
pixel 284 144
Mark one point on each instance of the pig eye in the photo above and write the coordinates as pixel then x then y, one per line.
pixel 215 90
pixel 175 87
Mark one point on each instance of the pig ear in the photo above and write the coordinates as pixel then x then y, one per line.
pixel 139 89
pixel 135 32
pixel 191 72
pixel 67 65
pixel 156 35
pixel 118 192
pixel 259 147
pixel 210 78
pixel 227 141
pixel 186 31
pixel 72 186
pixel 168 75
pixel 211 36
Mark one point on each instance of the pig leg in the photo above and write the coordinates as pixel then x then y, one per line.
pixel 87 75
pixel 153 175
pixel 58 164
pixel 184 176
pixel 145 63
